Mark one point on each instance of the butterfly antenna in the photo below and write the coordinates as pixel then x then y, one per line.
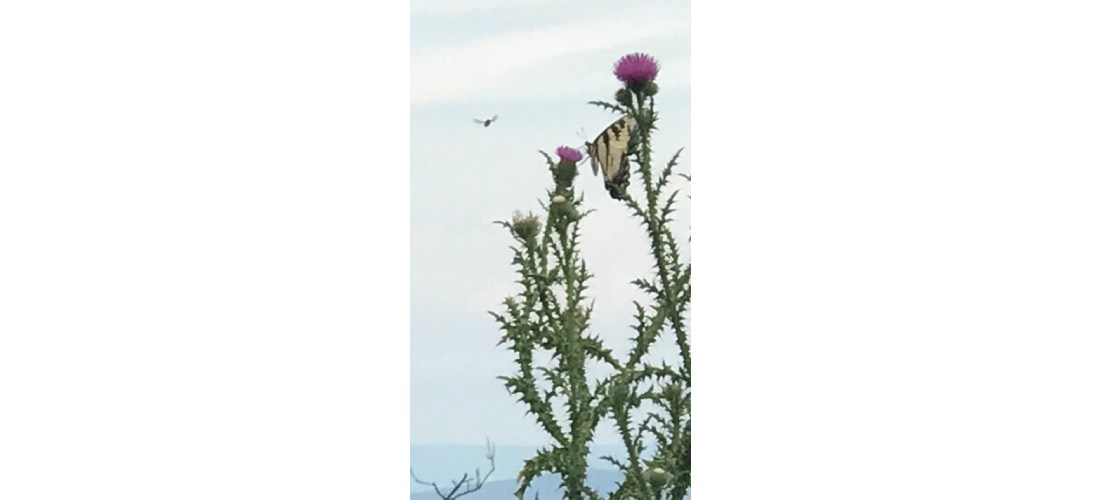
pixel 584 150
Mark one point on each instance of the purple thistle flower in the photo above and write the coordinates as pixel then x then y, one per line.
pixel 569 154
pixel 636 69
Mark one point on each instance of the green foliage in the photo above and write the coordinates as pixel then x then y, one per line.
pixel 552 315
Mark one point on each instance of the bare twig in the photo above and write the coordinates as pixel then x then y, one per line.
pixel 467 484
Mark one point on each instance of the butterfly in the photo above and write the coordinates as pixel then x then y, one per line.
pixel 485 122
pixel 610 151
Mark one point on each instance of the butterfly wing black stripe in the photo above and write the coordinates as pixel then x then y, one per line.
pixel 609 152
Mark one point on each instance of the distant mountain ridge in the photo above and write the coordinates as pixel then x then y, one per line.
pixel 603 481
pixel 446 463
pixel 443 463
pixel 547 487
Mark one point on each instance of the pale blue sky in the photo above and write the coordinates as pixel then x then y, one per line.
pixel 535 64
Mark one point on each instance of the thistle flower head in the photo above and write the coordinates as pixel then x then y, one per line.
pixel 525 227
pixel 565 170
pixel 567 153
pixel 636 70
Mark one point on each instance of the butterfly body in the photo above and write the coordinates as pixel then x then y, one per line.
pixel 610 153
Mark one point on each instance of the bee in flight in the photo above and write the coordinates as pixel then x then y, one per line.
pixel 485 122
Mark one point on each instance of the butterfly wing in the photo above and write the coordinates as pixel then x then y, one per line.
pixel 590 149
pixel 610 152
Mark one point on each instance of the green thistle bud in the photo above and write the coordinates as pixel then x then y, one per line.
pixel 564 173
pixel 650 89
pixel 657 477
pixel 624 96
pixel 567 211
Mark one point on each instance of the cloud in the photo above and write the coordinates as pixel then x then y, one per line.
pixel 443 7
pixel 492 64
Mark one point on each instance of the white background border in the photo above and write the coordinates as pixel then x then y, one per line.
pixel 204 262
pixel 896 237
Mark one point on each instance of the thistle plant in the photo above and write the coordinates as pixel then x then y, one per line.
pixel 645 402
pixel 550 315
